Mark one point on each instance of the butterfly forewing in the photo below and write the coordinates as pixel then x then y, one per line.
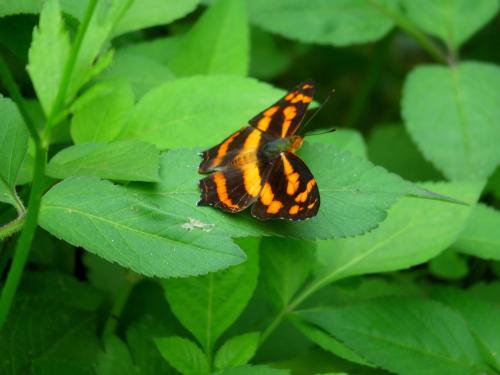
pixel 290 192
pixel 284 117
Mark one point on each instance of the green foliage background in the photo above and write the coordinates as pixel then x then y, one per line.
pixel 107 266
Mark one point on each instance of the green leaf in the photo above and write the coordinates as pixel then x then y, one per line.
pixel 339 23
pixel 406 238
pixel 327 342
pixel 122 226
pixel 183 354
pixel 267 59
pixel 88 62
pixel 73 8
pixel 161 49
pixel 141 341
pixel 479 317
pixel 141 72
pixel 347 139
pixel 13 148
pixel 115 359
pixel 452 113
pixel 403 335
pixel 208 305
pixel 218 43
pixel 254 370
pixel 103 275
pixel 236 351
pixel 354 199
pixel 449 265
pixel 42 332
pixel 480 236
pixel 103 115
pixel 198 111
pixel 147 13
pixel 452 21
pixel 286 264
pixel 386 141
pixel 48 54
pixel 120 160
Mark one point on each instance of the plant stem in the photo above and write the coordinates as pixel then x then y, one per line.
pixel 24 242
pixel 312 288
pixel 405 24
pixel 119 303
pixel 23 245
pixel 14 226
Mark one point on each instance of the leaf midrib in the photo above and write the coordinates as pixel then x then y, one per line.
pixel 113 223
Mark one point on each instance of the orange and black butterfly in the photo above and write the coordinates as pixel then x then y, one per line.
pixel 257 165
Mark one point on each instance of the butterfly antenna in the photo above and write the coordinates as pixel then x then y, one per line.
pixel 317 110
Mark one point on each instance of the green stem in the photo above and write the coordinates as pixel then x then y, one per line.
pixel 37 188
pixel 119 303
pixel 312 288
pixel 24 242
pixel 14 226
pixel 406 25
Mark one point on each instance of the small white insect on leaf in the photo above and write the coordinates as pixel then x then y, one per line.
pixel 193 224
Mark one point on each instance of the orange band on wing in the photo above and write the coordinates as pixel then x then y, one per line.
pixel 220 183
pixel 303 196
pixel 223 149
pixel 292 177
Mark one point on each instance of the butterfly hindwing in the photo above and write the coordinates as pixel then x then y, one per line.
pixel 284 117
pixel 235 187
pixel 290 192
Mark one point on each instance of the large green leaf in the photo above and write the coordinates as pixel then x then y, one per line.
pixel 407 237
pixel 480 236
pixel 452 113
pixel 208 305
pixel 354 199
pixel 48 54
pixel 198 111
pixel 479 316
pixel 403 335
pixel 452 21
pixel 286 264
pixel 336 22
pixel 183 354
pixel 147 13
pixel 120 160
pixel 13 148
pixel 141 72
pixel 217 43
pixel 121 226
pixel 88 62
pixel 388 140
pixel 347 139
pixel 102 116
